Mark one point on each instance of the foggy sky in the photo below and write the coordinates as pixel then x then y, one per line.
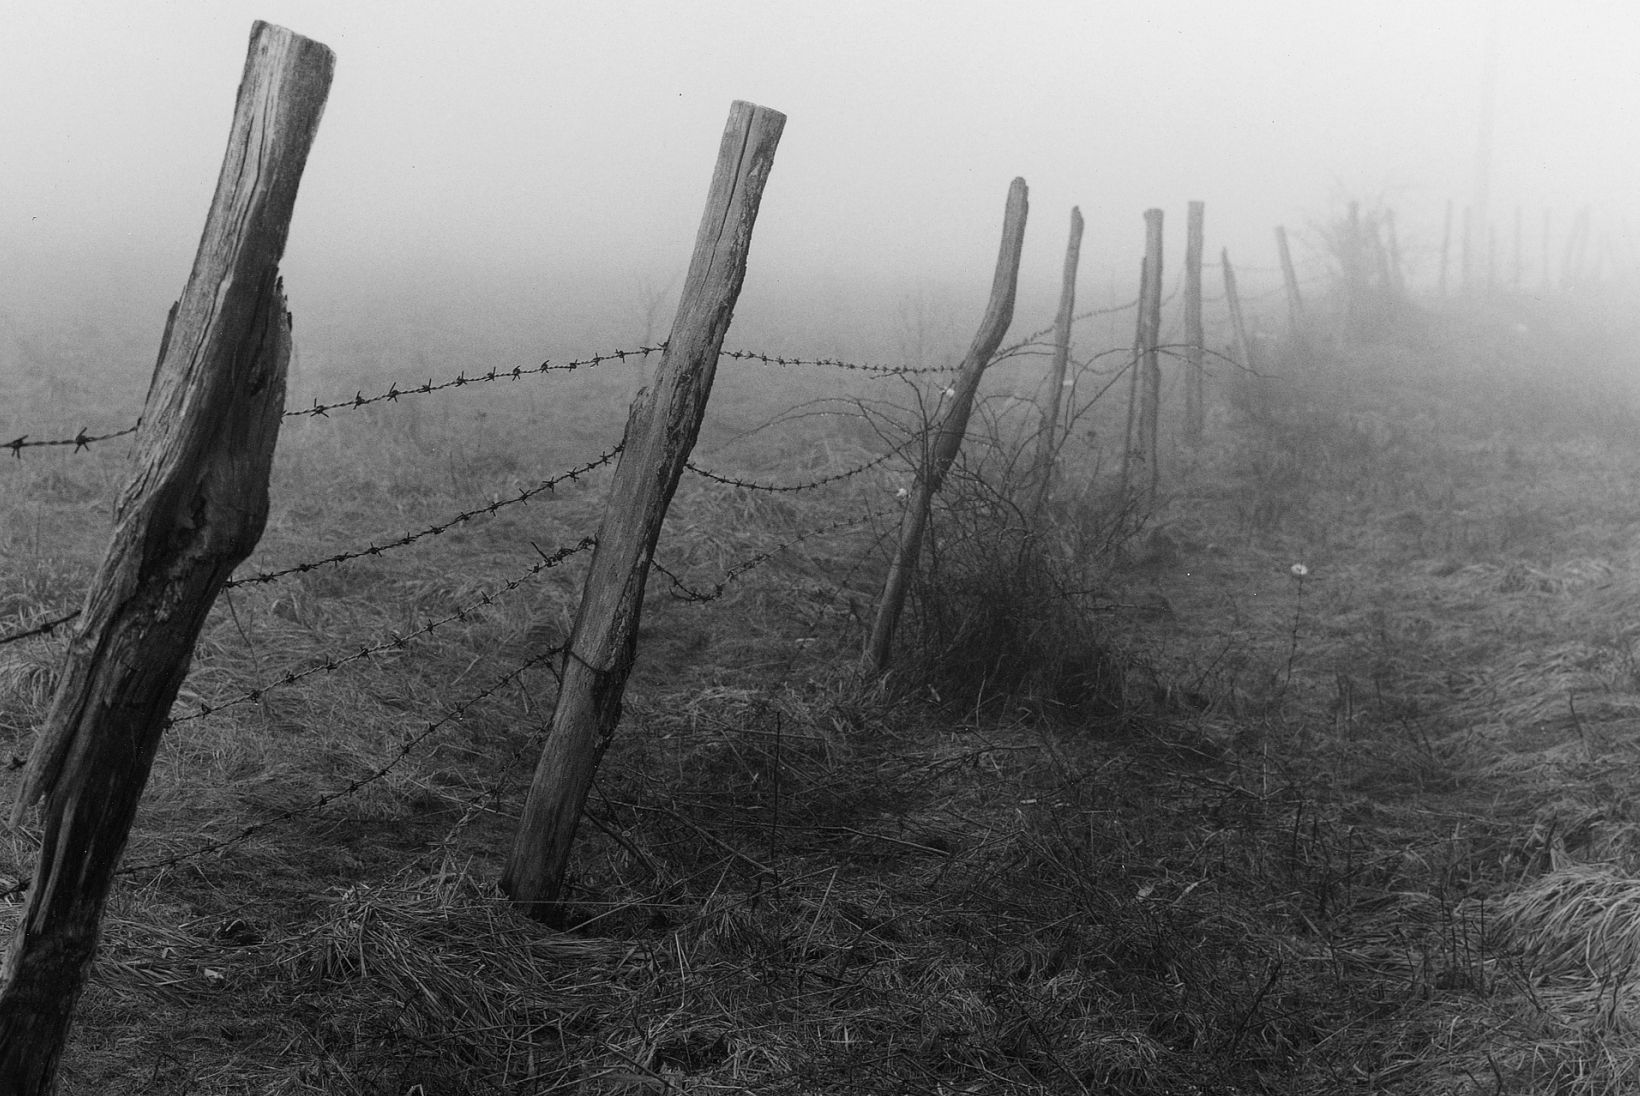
pixel 468 151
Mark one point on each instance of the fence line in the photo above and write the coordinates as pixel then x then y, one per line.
pixel 836 477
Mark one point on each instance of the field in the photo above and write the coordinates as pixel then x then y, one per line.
pixel 1315 777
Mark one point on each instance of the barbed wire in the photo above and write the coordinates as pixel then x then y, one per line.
pixel 881 370
pixel 734 481
pixel 397 642
pixel 45 628
pixel 79 441
pixel 517 372
pixel 684 592
pixel 432 530
pixel 353 786
pixel 319 409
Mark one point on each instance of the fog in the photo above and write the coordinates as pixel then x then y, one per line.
pixel 518 179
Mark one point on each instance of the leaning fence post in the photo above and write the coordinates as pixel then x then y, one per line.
pixel 1193 384
pixel 1140 311
pixel 192 511
pixel 1061 359
pixel 660 432
pixel 1238 322
pixel 943 438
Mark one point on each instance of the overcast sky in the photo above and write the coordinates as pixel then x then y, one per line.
pixel 470 142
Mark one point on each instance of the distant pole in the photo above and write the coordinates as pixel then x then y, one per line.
pixel 1061 360
pixel 1151 382
pixel 1491 257
pixel 1238 322
pixel 1289 278
pixel 1133 379
pixel 1194 410
pixel 1446 245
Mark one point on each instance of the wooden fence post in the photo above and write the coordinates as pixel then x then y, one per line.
pixel 943 438
pixel 1289 278
pixel 1140 312
pixel 193 510
pixel 660 432
pixel 1467 261
pixel 1150 383
pixel 1061 358
pixel 1194 407
pixel 1238 322
pixel 1398 276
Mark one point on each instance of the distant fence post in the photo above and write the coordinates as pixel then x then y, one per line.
pixel 1046 443
pixel 1238 322
pixel 660 432
pixel 943 438
pixel 1194 408
pixel 192 511
pixel 1289 278
pixel 1398 276
pixel 1150 383
pixel 1128 452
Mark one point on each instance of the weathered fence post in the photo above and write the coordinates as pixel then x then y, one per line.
pixel 1150 383
pixel 194 508
pixel 1398 276
pixel 943 437
pixel 1194 408
pixel 1289 278
pixel 1238 322
pixel 1061 358
pixel 660 432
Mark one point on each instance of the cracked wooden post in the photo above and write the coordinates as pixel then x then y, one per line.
pixel 660 432
pixel 1045 451
pixel 193 510
pixel 1194 384
pixel 943 438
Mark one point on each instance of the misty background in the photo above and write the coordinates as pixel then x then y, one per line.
pixel 497 184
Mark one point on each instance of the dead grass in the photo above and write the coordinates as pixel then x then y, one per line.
pixel 1372 828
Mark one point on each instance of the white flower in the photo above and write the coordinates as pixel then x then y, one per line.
pixel 1299 570
pixel 902 492
pixel 951 393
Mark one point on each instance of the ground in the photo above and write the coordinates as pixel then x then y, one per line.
pixel 1310 775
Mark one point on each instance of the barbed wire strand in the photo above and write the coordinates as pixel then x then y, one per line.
pixel 750 485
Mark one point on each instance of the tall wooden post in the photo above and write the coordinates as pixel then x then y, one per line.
pixel 1150 383
pixel 943 437
pixel 1238 322
pixel 1194 407
pixel 1289 278
pixel 1046 438
pixel 192 511
pixel 660 432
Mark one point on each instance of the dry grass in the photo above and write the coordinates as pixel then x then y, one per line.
pixel 1140 814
